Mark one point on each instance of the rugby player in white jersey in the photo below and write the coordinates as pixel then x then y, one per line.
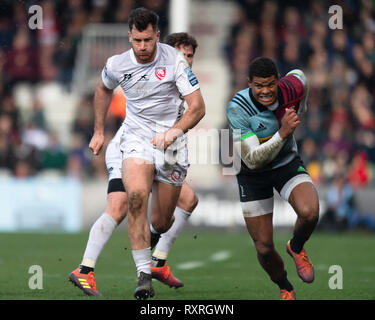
pixel 116 208
pixel 153 77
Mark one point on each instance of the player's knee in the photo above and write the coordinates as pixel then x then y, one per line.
pixel 118 211
pixel 117 206
pixel 264 248
pixel 137 199
pixel 309 212
pixel 163 224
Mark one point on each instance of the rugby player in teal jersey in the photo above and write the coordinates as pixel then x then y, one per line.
pixel 266 113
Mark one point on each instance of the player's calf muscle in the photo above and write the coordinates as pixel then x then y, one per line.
pixel 187 202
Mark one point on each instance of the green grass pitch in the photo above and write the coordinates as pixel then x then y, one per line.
pixel 213 266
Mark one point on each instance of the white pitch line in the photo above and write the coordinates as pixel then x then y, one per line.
pixel 321 267
pixel 221 255
pixel 217 256
pixel 190 265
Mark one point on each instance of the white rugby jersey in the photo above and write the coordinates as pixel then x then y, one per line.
pixel 154 91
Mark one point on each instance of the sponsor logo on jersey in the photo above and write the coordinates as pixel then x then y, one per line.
pixel 160 72
pixel 176 175
pixel 126 78
pixel 144 78
pixel 261 127
pixel 192 79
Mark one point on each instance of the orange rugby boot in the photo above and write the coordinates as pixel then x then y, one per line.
pixel 287 295
pixel 304 267
pixel 164 274
pixel 85 282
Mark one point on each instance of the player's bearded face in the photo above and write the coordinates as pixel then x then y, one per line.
pixel 264 89
pixel 144 43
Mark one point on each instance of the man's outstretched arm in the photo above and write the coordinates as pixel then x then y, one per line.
pixel 102 99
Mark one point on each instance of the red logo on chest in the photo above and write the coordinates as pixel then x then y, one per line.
pixel 160 73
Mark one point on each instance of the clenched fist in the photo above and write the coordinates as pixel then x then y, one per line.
pixel 164 139
pixel 96 143
pixel 289 123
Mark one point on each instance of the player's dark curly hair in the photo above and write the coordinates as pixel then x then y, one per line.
pixel 262 67
pixel 141 17
pixel 181 38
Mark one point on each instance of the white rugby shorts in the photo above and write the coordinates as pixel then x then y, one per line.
pixel 113 160
pixel 170 165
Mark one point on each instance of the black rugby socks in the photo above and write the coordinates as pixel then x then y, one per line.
pixel 284 283
pixel 297 243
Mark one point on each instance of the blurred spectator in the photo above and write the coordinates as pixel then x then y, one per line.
pixel 7 26
pixel 292 24
pixel 73 18
pixel 365 141
pixel 30 155
pixel 78 158
pixel 47 38
pixel 54 155
pixel 360 101
pixel 341 208
pixel 122 13
pixel 336 141
pixel 21 61
pixel 340 48
pixel 7 153
pixel 84 119
pixel 37 115
pixel 98 11
pixel 22 169
pixel 314 126
pixel 34 136
pixel 9 120
pixel 359 174
pixel 161 8
pixel 290 56
pixel 368 44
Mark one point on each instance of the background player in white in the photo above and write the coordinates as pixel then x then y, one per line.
pixel 116 208
pixel 153 77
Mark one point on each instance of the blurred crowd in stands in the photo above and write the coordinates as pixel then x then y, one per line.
pixel 338 136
